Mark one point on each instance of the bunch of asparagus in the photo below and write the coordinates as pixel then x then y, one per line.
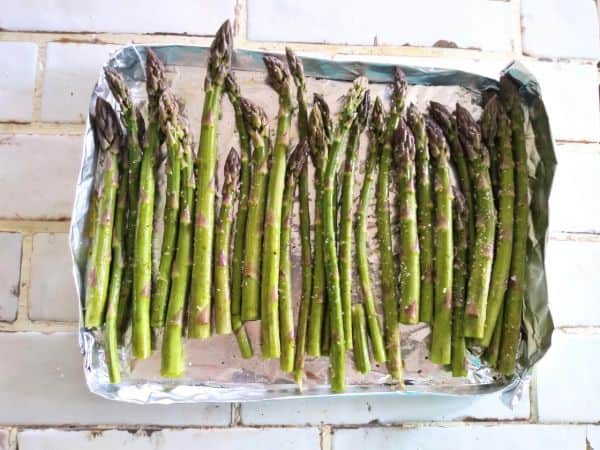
pixel 461 248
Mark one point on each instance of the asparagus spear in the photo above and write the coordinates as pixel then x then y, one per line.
pixel 488 123
pixel 168 111
pixel 321 104
pixel 172 357
pixel 389 286
pixel 359 334
pixel 219 62
pixel 511 331
pixel 483 253
pixel 410 277
pixel 222 290
pixel 98 266
pixel 345 225
pixel 286 314
pixel 134 158
pixel 424 212
pixel 279 80
pixel 297 72
pixel 318 152
pixel 376 130
pixel 459 281
pixel 237 270
pixel 256 123
pixel 442 317
pixel 142 276
pixel 490 355
pixel 504 227
pixel 337 370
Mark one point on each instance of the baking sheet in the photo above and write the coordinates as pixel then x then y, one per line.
pixel 215 371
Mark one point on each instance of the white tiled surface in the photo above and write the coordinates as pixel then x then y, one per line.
pixel 17 80
pixel 593 437
pixel 72 70
pixel 4 437
pixel 10 260
pixel 43 375
pixel 114 16
pixel 567 382
pixel 51 293
pixel 49 164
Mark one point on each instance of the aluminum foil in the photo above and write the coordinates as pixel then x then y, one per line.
pixel 215 371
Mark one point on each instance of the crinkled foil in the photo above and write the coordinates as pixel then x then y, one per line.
pixel 215 371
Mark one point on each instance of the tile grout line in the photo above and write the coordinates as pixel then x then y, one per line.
pixel 533 399
pixel 518 31
pixel 24 280
pixel 39 82
pixel 236 415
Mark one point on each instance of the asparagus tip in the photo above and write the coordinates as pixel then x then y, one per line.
pixel 404 141
pixel 231 169
pixel 295 65
pixel 362 116
pixel 106 124
pixel 277 75
pixel 221 49
pixel 377 118
pixel 255 116
pixel 297 158
pixel 155 74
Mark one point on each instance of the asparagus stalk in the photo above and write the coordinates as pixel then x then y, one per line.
pixel 134 158
pixel 389 286
pixel 337 351
pixel 483 253
pixel 321 104
pixel 488 123
pixel 98 266
pixel 359 334
pixel 297 72
pixel 237 269
pixel 219 62
pixel 168 111
pixel 504 227
pixel 410 277
pixel 345 224
pixel 441 339
pixel 279 80
pixel 511 330
pixel 222 290
pixel 286 314
pixel 142 276
pixel 172 356
pixel 459 281
pixel 318 152
pixel 376 130
pixel 256 123
pixel 491 353
pixel 424 212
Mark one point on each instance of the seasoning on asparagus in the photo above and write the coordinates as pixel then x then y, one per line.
pixel 488 123
pixel 389 285
pixel 459 282
pixel 297 72
pixel 353 99
pixel 237 269
pixel 410 278
pixel 376 129
pixel 359 335
pixel 168 111
pixel 441 338
pixel 345 226
pixel 504 227
pixel 222 290
pixel 485 223
pixel 256 124
pixel 172 356
pixel 511 331
pixel 106 127
pixel 219 62
pixel 286 313
pixel 425 212
pixel 279 79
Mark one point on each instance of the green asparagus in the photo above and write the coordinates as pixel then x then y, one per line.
pixel 359 335
pixel 459 282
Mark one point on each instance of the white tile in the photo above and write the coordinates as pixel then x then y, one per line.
pixel 17 80
pixel 71 72
pixel 573 202
pixel 570 92
pixel 38 175
pixel 462 22
pixel 52 290
pixel 4 439
pixel 593 437
pixel 115 16
pixel 470 437
pixel 567 381
pixel 574 282
pixel 215 439
pixel 44 377
pixel 381 409
pixel 10 268
pixel 558 28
